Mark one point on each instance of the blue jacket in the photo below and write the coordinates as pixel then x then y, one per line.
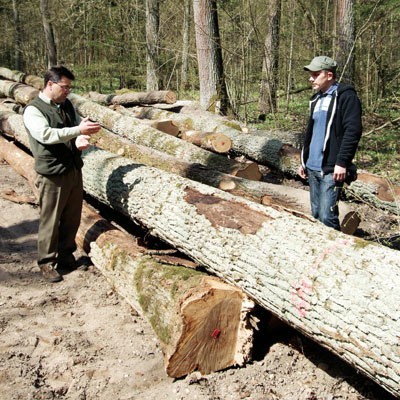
pixel 343 129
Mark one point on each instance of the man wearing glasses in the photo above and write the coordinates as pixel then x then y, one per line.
pixel 57 135
pixel 331 139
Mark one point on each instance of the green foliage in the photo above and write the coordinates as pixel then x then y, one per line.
pixel 104 42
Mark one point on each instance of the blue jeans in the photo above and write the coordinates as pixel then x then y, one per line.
pixel 324 198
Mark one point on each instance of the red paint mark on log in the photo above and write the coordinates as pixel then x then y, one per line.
pixel 226 214
pixel 215 334
pixel 301 292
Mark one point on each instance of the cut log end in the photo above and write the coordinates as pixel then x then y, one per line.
pixel 248 170
pixel 220 142
pixel 167 126
pixel 350 223
pixel 227 185
pixel 209 339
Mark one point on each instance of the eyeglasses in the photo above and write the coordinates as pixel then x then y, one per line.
pixel 66 88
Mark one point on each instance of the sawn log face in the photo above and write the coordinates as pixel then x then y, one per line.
pixel 333 287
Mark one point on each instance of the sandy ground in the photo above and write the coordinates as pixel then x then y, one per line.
pixel 78 339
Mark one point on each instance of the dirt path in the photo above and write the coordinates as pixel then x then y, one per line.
pixel 78 339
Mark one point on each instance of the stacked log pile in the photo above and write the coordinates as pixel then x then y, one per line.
pixel 336 289
pixel 200 321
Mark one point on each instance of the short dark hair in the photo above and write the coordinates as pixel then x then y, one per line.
pixel 55 74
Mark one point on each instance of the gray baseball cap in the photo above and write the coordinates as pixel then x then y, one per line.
pixel 321 63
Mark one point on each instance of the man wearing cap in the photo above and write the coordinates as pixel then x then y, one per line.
pixel 331 139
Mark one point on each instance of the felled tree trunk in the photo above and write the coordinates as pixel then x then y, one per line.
pixel 13 125
pixel 148 136
pixel 11 104
pixel 21 77
pixel 199 320
pixel 268 194
pixel 259 192
pixel 269 149
pixel 20 161
pixel 134 98
pixel 339 290
pixel 376 191
pixel 281 197
pixel 20 92
pixel 216 142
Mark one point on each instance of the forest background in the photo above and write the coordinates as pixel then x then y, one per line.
pixel 253 58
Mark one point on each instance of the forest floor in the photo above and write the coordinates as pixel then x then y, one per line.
pixel 78 339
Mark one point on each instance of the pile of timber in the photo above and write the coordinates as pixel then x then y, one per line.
pixel 201 321
pixel 376 191
pixel 277 196
pixel 332 287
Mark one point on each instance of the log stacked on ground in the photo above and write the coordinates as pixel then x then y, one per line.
pixel 199 320
pixel 369 188
pixel 269 149
pixel 216 142
pixel 20 92
pixel 21 77
pixel 332 287
pixel 281 197
pixel 142 134
pixel 372 189
pixel 134 98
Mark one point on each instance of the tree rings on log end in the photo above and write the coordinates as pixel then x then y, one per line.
pixel 210 333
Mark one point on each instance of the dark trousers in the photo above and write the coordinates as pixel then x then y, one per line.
pixel 60 201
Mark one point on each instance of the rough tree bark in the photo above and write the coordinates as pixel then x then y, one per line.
pixel 369 188
pixel 270 64
pixel 213 93
pixel 152 44
pixel 48 33
pixel 278 196
pixel 18 60
pixel 336 289
pixel 148 136
pixel 134 98
pixel 268 149
pixel 21 77
pixel 216 142
pixel 201 321
pixel 185 307
pixel 20 92
pixel 344 40
pixel 185 45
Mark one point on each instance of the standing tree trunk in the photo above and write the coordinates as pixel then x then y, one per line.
pixel 18 40
pixel 152 43
pixel 213 93
pixel 345 34
pixel 48 33
pixel 269 81
pixel 185 44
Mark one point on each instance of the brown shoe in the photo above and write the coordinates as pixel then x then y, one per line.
pixel 50 273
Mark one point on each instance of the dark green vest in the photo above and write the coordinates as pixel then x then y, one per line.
pixel 55 159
